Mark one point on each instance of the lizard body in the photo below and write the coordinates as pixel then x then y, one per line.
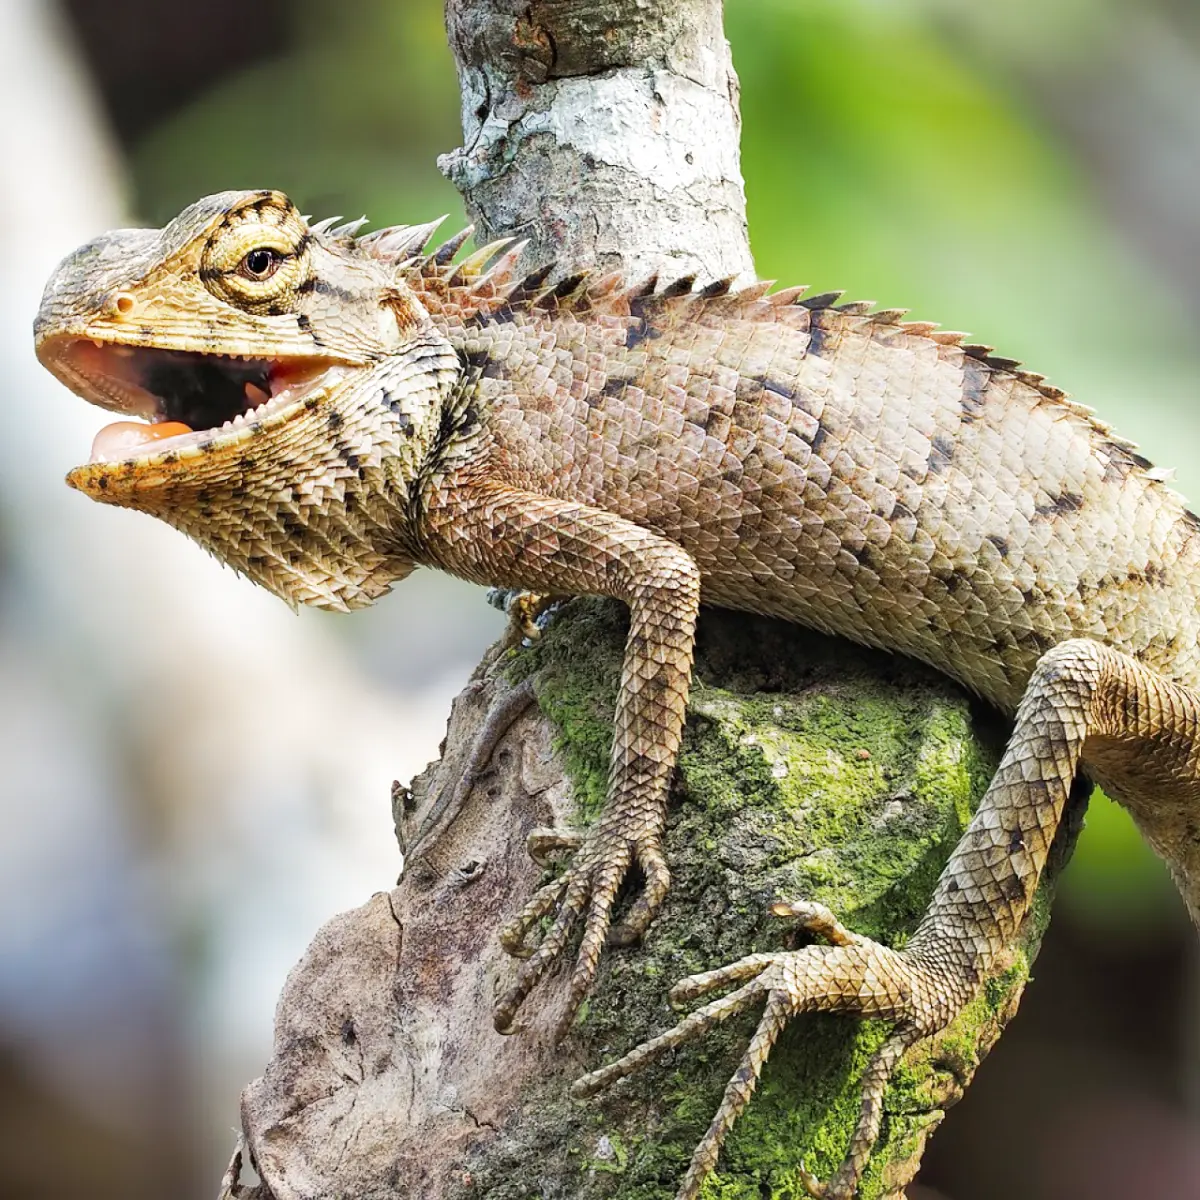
pixel 769 453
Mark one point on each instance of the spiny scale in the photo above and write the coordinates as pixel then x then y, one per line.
pixel 435 272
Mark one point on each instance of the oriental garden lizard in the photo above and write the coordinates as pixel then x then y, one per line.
pixel 325 411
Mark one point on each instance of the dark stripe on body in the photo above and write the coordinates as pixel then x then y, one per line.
pixel 615 385
pixel 816 337
pixel 941 453
pixel 975 380
pixel 482 364
pixel 1057 506
pixel 640 331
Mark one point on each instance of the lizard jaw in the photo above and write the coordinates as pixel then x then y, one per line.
pixel 185 401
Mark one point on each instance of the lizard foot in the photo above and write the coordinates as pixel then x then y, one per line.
pixel 852 975
pixel 586 889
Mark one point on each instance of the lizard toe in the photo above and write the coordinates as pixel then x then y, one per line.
pixel 590 885
pixel 547 846
pixel 655 886
pixel 537 964
pixel 815 919
pixel 514 935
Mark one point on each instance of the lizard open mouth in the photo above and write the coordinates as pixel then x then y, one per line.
pixel 182 398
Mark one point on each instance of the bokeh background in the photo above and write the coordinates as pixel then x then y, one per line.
pixel 194 777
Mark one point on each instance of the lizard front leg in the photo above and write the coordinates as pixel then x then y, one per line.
pixel 1085 702
pixel 514 538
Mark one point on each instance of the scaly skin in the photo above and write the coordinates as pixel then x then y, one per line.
pixel 821 463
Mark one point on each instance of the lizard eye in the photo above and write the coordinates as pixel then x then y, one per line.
pixel 256 261
pixel 260 263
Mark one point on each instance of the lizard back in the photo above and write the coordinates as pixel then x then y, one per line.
pixel 909 491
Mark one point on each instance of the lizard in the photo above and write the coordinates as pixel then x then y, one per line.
pixel 325 410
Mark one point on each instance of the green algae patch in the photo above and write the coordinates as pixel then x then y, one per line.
pixel 812 770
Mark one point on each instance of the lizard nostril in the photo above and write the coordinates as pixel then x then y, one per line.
pixel 120 304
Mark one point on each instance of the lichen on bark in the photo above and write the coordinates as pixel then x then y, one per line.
pixel 810 769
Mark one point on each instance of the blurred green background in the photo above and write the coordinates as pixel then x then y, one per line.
pixel 1026 172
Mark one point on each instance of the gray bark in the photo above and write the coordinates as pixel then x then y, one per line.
pixel 607 133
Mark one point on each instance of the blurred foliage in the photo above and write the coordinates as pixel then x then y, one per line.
pixel 348 118
pixel 878 155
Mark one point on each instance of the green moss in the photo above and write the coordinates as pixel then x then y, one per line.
pixel 809 769
pixel 611 1156
pixel 577 679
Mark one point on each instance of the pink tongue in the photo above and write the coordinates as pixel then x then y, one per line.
pixel 123 439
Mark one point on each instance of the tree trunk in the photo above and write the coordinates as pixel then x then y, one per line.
pixel 606 131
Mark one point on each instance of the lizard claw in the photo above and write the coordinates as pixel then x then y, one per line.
pixel 525 611
pixel 587 889
pixel 851 975
pixel 817 920
pixel 544 846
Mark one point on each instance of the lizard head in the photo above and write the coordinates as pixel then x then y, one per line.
pixel 279 386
